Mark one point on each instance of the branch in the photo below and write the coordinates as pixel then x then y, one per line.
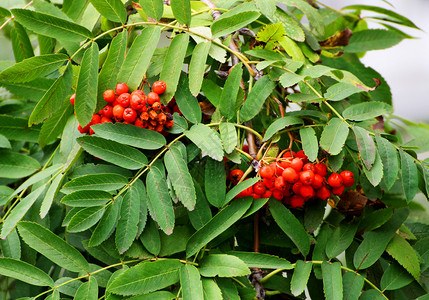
pixel 11 18
pixel 215 13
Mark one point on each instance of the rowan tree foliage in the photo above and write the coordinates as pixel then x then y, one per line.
pixel 229 186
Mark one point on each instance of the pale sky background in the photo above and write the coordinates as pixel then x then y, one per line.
pixel 405 66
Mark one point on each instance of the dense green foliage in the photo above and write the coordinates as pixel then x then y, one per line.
pixel 129 213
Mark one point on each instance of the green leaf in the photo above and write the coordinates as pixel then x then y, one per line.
pixel 86 198
pixel 390 160
pixel 5 13
pixel 309 142
pixel 197 67
pixel 153 8
pixel 16 165
pixel 260 260
pixel 192 287
pixel 202 213
pixel 126 230
pixel 228 135
pixel 207 140
pixel 340 91
pixel 11 245
pixel 53 99
pixel 16 129
pixel 371 294
pixel 173 65
pixel 376 173
pixel 146 277
pixel 267 7
pixel 300 277
pixel 313 15
pixel 405 255
pixel 4 142
pixel 114 152
pixel 372 39
pixel 112 10
pixel 85 219
pixel 187 103
pixel 290 225
pixel 212 92
pixel 280 124
pixel 20 210
pixel 160 200
pixel 409 175
pixel 365 145
pixel 160 295
pixel 239 188
pixel 182 11
pixel 394 17
pixel 99 182
pixel 130 135
pixel 106 224
pixel 334 136
pixel 375 242
pixel 352 285
pixel 218 224
pixel 51 26
pixel 31 68
pixel 52 246
pixel 25 272
pixel 223 265
pixel 151 239
pixel 113 63
pixel 226 25
pixel 230 92
pixel 256 205
pixel 332 280
pixel 366 110
pixel 88 290
pixel 256 98
pixel 86 90
pixel 33 90
pixel 138 58
pixel 50 195
pixel 21 44
pixel 341 239
pixel 54 126
pixel 395 277
pixel 289 79
pixel 180 177
pixel 211 290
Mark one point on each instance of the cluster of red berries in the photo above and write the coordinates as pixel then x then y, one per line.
pixel 293 180
pixel 136 108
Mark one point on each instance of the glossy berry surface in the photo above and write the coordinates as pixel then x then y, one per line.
pixel 109 95
pixel 121 88
pixel 159 87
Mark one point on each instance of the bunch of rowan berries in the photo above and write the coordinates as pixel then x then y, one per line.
pixel 293 180
pixel 135 108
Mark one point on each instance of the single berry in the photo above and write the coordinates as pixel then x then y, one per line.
pixel 84 129
pixel 152 98
pixel 321 169
pixel 235 175
pixel 296 164
pixel 348 178
pixel 159 87
pixel 306 177
pixel 107 111
pixel 268 182
pixel 338 191
pixel 130 115
pixel 309 167
pixel 335 180
pixel 259 188
pixel 267 194
pixel 302 155
pixel 280 183
pixel 124 100
pixel 266 172
pixel 306 191
pixel 95 120
pixel 161 118
pixel 277 194
pixel 290 175
pixel 137 101
pixel 296 187
pixel 317 182
pixel 121 88
pixel 118 112
pixel 139 123
pixel 72 99
pixel 156 106
pixel 105 120
pixel 289 154
pixel 323 193
pixel 297 201
pixel 109 95
pixel 138 92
